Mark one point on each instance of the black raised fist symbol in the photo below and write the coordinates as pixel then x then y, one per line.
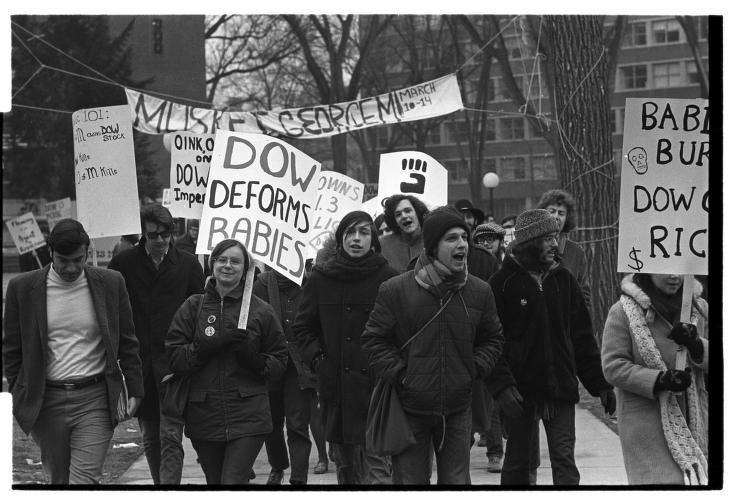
pixel 414 166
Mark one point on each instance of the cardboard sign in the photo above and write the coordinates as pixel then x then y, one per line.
pixel 415 173
pixel 58 210
pixel 338 195
pixel 188 176
pixel 424 100
pixel 104 249
pixel 166 198
pixel 262 192
pixel 373 206
pixel 25 232
pixel 105 171
pixel 664 188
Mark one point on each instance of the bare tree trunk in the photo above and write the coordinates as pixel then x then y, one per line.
pixel 581 106
pixel 340 153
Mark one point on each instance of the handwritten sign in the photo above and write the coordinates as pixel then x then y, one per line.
pixel 262 192
pixel 338 195
pixel 105 171
pixel 415 173
pixel 58 210
pixel 104 249
pixel 424 100
pixel 25 232
pixel 664 190
pixel 166 198
pixel 188 176
pixel 373 206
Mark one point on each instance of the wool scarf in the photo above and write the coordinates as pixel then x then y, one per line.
pixel 435 277
pixel 341 266
pixel 681 436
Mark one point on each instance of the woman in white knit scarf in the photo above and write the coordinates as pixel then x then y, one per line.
pixel 662 411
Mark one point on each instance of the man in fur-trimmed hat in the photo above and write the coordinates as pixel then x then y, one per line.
pixel 549 344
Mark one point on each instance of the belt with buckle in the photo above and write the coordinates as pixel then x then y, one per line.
pixel 70 386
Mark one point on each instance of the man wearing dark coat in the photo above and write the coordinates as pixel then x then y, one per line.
pixel 159 278
pixel 549 344
pixel 68 327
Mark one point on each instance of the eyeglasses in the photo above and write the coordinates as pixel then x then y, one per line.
pixel 228 260
pixel 153 235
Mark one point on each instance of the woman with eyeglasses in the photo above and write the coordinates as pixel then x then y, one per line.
pixel 227 416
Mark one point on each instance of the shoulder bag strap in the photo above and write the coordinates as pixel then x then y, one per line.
pixel 440 310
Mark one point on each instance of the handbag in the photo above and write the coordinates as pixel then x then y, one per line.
pixel 121 409
pixel 388 431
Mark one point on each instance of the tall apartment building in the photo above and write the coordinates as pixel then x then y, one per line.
pixel 655 60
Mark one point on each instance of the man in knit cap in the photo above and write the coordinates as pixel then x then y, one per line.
pixel 549 343
pixel 459 340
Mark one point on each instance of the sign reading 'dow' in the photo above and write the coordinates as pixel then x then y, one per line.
pixel 262 192
pixel 188 175
pixel 413 173
pixel 664 187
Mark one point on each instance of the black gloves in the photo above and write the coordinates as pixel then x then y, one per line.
pixel 206 345
pixel 607 398
pixel 315 363
pixel 673 380
pixel 686 334
pixel 511 402
pixel 250 355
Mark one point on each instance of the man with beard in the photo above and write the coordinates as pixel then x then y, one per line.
pixel 549 343
pixel 403 214
pixel 460 340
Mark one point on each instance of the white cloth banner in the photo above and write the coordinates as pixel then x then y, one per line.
pixel 105 171
pixel 188 175
pixel 338 195
pixel 58 210
pixel 424 100
pixel 664 187
pixel 25 232
pixel 415 173
pixel 262 192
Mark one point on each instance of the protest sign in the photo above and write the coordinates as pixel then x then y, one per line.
pixel 103 250
pixel 262 192
pixel 188 175
pixel 415 173
pixel 418 102
pixel 25 232
pixel 105 171
pixel 58 210
pixel 338 195
pixel 373 206
pixel 166 198
pixel 664 187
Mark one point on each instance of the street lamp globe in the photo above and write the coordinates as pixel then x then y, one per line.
pixel 491 180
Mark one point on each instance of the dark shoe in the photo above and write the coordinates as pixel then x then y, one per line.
pixel 494 464
pixel 320 468
pixel 275 477
pixel 252 474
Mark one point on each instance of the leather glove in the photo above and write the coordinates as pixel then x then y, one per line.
pixel 673 380
pixel 511 402
pixel 607 398
pixel 686 334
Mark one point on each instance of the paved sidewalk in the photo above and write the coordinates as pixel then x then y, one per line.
pixel 598 457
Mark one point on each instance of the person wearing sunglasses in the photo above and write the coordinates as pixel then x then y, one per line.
pixel 159 278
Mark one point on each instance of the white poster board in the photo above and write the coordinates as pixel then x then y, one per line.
pixel 105 171
pixel 188 175
pixel 166 198
pixel 262 192
pixel 414 173
pixel 338 195
pixel 373 206
pixel 25 232
pixel 58 210
pixel 664 187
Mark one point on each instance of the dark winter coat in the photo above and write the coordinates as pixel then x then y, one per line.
pixel 228 396
pixel 329 326
pixel 155 296
pixel 286 302
pixel 437 369
pixel 548 336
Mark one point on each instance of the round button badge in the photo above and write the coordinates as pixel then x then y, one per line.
pixel 211 319
pixel 210 331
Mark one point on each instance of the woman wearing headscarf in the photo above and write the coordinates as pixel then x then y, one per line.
pixel 227 416
pixel 662 410
pixel 338 297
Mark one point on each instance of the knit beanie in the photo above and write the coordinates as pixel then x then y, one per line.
pixel 352 218
pixel 490 228
pixel 534 223
pixel 437 222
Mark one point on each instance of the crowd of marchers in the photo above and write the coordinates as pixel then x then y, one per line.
pixel 474 333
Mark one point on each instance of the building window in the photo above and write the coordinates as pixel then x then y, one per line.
pixel 434 135
pixel 157 35
pixel 635 35
pixel 667 75
pixel 666 31
pixel 457 132
pixel 489 165
pixel 456 171
pixel 617 118
pixel 491 134
pixel 544 167
pixel 513 168
pixel 514 47
pixel 507 93
pixel 512 129
pixel 634 77
pixel 492 89
pixel 693 76
pixel 703 27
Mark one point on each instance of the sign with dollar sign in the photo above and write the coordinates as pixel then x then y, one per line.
pixel 664 189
